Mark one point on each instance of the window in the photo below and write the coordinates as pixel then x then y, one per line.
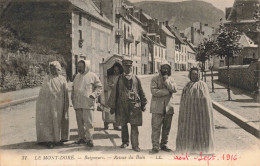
pixel 76 63
pixel 80 39
pixel 93 38
pixel 136 49
pixel 80 34
pixel 80 19
pixel 125 31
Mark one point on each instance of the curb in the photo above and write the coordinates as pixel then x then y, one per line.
pixel 16 102
pixel 239 120
pixel 145 76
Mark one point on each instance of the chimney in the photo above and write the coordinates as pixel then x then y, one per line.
pixel 166 23
pixel 156 21
pixel 192 35
pixel 160 25
pixel 141 11
pixel 100 5
pixel 200 27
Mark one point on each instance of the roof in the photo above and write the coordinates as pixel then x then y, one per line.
pixel 136 20
pixel 245 41
pixel 87 6
pixel 90 8
pixel 246 6
pixel 167 31
pixel 147 16
pixel 191 46
pixel 159 44
pixel 177 34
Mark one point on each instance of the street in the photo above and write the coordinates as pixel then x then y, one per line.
pixel 18 131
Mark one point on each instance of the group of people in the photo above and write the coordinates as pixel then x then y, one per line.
pixel 126 102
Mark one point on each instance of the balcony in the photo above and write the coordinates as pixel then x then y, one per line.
pixel 138 40
pixel 129 38
pixel 119 33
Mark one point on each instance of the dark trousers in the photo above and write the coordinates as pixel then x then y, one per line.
pixel 160 121
pixel 134 135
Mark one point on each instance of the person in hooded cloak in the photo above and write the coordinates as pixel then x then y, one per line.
pixel 162 87
pixel 112 80
pixel 195 124
pixel 85 90
pixel 52 118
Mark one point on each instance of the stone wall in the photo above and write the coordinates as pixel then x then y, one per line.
pixel 12 81
pixel 241 76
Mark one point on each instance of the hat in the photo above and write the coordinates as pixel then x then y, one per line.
pixel 127 61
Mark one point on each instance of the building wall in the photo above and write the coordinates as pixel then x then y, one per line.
pixel 145 58
pixel 170 49
pixel 177 59
pixel 191 58
pixel 218 62
pixel 159 56
pixel 127 30
pixel 97 39
pixel 137 31
pixel 245 53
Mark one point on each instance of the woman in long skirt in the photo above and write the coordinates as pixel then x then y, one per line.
pixel 52 120
pixel 195 125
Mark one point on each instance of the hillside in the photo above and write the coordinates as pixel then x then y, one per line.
pixel 183 14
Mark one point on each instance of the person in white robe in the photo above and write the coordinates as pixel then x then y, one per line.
pixel 52 118
pixel 86 88
pixel 195 124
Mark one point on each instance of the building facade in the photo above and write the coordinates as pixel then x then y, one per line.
pixel 241 17
pixel 67 27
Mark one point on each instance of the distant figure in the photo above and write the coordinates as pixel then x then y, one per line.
pixel 86 89
pixel 162 87
pixel 128 101
pixel 107 116
pixel 196 124
pixel 52 118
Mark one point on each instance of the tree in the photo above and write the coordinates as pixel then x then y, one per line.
pixel 205 50
pixel 228 47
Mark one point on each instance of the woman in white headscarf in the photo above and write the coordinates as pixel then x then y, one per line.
pixel 195 124
pixel 52 120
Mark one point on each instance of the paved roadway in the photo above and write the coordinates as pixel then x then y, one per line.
pixel 18 134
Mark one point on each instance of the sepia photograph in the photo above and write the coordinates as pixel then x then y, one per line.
pixel 129 82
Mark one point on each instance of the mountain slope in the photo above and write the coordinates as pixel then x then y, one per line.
pixel 183 14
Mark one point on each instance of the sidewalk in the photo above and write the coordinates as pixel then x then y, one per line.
pixel 20 96
pixel 243 102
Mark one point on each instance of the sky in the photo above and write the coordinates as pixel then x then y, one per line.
pixel 221 4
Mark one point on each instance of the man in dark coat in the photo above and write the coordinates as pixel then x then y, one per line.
pixel 128 100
